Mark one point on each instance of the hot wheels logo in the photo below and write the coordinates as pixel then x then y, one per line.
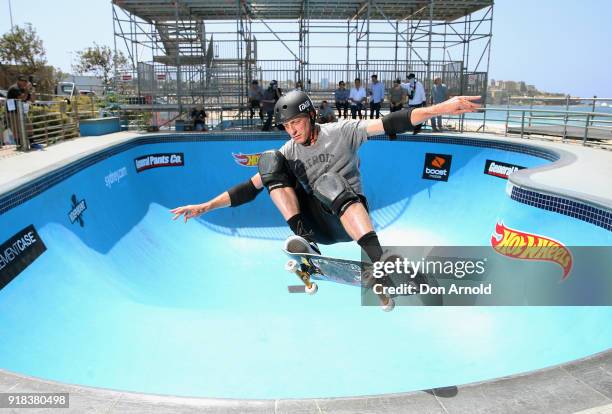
pixel 526 246
pixel 247 160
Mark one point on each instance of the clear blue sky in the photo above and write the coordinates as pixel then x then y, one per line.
pixel 557 45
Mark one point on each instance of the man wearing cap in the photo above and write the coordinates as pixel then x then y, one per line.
pixel 416 95
pixel 20 90
pixel 377 96
pixel 314 178
pixel 416 91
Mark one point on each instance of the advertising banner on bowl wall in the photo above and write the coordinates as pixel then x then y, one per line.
pixel 18 252
pixel 437 167
pixel 147 162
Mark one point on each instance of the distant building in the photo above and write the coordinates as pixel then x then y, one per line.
pixel 86 83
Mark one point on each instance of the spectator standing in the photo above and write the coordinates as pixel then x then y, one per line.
pixel 377 96
pixel 23 91
pixel 357 98
pixel 341 95
pixel 416 98
pixel 270 96
pixel 397 96
pixel 439 93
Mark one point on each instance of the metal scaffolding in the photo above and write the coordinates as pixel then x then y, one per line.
pixel 199 52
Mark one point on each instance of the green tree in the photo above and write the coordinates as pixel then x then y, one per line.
pixel 22 47
pixel 22 53
pixel 99 61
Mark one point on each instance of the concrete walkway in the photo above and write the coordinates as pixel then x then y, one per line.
pixel 574 387
pixel 18 168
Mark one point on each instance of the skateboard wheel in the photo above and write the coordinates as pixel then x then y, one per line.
pixel 292 266
pixel 389 306
pixel 313 289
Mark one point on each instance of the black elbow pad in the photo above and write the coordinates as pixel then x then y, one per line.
pixel 243 193
pixel 397 122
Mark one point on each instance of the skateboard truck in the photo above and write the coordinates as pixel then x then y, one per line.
pixel 301 271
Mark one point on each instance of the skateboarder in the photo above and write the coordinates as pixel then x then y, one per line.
pixel 314 178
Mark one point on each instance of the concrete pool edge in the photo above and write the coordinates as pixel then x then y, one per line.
pixel 569 387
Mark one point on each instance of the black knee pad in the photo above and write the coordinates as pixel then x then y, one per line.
pixel 273 170
pixel 335 193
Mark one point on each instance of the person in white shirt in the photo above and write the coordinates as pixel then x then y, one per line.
pixel 417 98
pixel 416 95
pixel 408 87
pixel 357 99
pixel 377 96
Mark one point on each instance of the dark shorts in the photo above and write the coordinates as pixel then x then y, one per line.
pixel 326 226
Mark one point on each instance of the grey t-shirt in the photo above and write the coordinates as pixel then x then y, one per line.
pixel 334 151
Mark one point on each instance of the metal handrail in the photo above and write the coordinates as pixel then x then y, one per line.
pixel 590 121
pixel 501 108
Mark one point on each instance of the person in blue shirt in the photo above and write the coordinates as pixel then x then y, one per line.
pixel 439 93
pixel 377 95
pixel 341 96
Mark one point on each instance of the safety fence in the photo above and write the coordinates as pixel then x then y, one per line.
pixel 28 125
pixel 585 126
pixel 55 119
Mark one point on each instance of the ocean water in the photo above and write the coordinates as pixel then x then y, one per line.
pixel 496 114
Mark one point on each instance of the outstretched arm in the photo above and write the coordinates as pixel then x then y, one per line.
pixel 235 196
pixel 455 106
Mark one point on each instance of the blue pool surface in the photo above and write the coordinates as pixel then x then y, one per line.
pixel 132 300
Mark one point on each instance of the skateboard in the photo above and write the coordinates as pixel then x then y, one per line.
pixel 309 267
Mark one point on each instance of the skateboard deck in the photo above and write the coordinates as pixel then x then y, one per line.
pixel 331 269
pixel 309 267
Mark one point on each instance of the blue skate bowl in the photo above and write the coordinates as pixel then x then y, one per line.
pixel 125 298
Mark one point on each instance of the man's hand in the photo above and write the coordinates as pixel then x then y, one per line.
pixel 457 105
pixel 190 211
pixel 454 106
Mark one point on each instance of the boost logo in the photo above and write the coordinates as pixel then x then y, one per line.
pixel 437 167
